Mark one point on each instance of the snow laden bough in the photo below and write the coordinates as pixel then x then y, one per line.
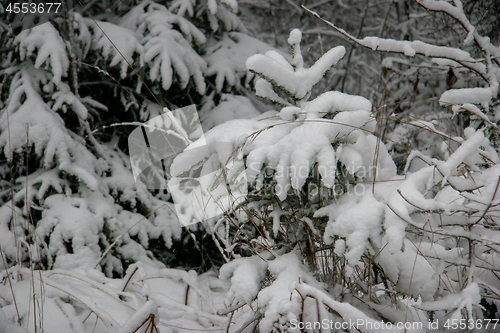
pixel 307 135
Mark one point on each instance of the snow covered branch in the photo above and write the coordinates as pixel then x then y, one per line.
pixel 411 48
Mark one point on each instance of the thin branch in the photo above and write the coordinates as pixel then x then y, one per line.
pixel 490 203
pixel 411 48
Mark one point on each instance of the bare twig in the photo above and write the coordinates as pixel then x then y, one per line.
pixel 410 48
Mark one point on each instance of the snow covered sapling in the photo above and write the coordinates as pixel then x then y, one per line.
pixel 59 105
pixel 325 143
pixel 73 202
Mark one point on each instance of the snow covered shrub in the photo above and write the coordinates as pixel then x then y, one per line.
pixel 410 247
pixel 299 159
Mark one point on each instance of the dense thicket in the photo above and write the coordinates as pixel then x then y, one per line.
pixel 372 165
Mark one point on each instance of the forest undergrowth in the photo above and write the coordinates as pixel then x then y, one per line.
pixel 367 168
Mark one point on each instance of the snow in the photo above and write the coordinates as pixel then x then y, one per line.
pixel 125 44
pixel 402 267
pixel 457 13
pixel 358 158
pixel 65 96
pixel 199 198
pixel 349 313
pixel 233 4
pixel 297 81
pixel 79 300
pixel 6 327
pixel 246 275
pixel 226 59
pixel 467 153
pixel 300 82
pixel 70 224
pixel 488 194
pixel 350 125
pixel 357 219
pixel 182 6
pixel 168 51
pixel 466 95
pixel 293 155
pixel 140 319
pixel 224 14
pixel 69 220
pixel 212 6
pixel 201 194
pixel 294 41
pixel 92 216
pixel 276 215
pixel 333 101
pixel 46 132
pixel 51 49
pixel 295 37
pixel 289 112
pixel 275 299
pixel 467 298
pixel 474 110
pixel 165 49
pixel 230 107
pixel 265 90
pixel 411 48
